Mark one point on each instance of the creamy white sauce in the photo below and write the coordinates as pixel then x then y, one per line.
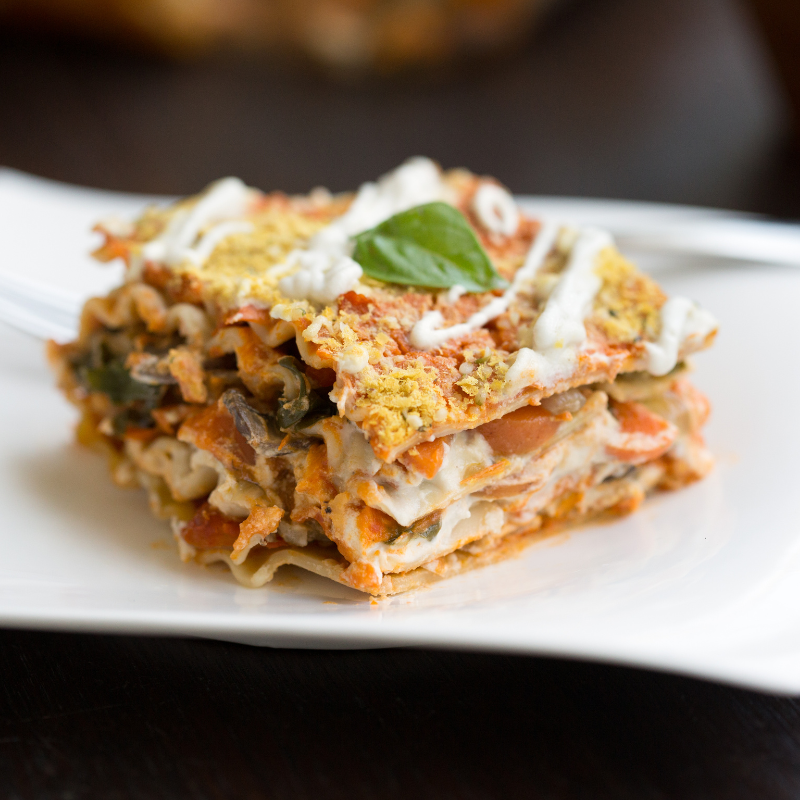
pixel 559 328
pixel 464 521
pixel 319 276
pixel 561 323
pixel 415 182
pixel 573 461
pixel 324 270
pixel 405 496
pixel 232 497
pixel 226 198
pixel 544 369
pixel 560 333
pixel 427 333
pixel 681 319
pixel 349 451
pixel 454 292
pixel 496 209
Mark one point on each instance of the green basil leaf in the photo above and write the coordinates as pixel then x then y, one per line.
pixel 431 245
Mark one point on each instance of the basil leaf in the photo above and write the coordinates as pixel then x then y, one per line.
pixel 431 245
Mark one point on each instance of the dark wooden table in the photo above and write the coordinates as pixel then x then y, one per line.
pixel 671 101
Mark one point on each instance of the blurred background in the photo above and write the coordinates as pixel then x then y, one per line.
pixel 690 101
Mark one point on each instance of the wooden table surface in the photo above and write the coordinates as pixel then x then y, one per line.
pixel 670 101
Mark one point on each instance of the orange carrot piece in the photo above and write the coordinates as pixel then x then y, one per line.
pixel 426 457
pixel 521 431
pixel 210 528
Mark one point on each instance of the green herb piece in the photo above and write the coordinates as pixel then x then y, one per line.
pixel 292 411
pixel 321 407
pixel 260 430
pixel 115 380
pixel 431 245
pixel 427 527
pixel 430 532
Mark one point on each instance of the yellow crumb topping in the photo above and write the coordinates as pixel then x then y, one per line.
pixel 484 379
pixel 628 304
pixel 399 403
pixel 240 264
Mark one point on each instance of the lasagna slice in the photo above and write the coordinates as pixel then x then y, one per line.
pixel 385 388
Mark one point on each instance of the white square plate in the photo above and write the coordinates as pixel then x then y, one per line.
pixel 705 581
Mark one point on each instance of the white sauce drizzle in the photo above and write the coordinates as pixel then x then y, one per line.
pixel 426 333
pixel 224 199
pixel 319 276
pixel 559 332
pixel 455 291
pixel 496 209
pixel 324 270
pixel 681 319
pixel 561 322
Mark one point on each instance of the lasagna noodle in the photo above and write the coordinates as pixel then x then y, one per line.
pixel 326 434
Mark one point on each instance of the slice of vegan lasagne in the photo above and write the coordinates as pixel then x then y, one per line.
pixel 384 388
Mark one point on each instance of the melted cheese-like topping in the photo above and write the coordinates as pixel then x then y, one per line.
pixel 561 323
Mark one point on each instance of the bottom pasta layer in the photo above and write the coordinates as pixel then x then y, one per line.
pixel 238 490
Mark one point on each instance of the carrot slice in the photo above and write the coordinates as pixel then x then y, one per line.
pixel 643 435
pixel 213 429
pixel 521 431
pixel 374 525
pixel 426 457
pixel 485 474
pixel 210 528
pixel 636 418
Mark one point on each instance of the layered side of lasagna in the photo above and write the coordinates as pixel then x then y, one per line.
pixel 384 388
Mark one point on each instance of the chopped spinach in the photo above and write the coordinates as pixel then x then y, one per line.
pixel 321 407
pixel 113 379
pixel 308 406
pixel 292 411
pixel 427 527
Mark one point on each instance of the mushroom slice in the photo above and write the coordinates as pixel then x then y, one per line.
pixel 261 433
